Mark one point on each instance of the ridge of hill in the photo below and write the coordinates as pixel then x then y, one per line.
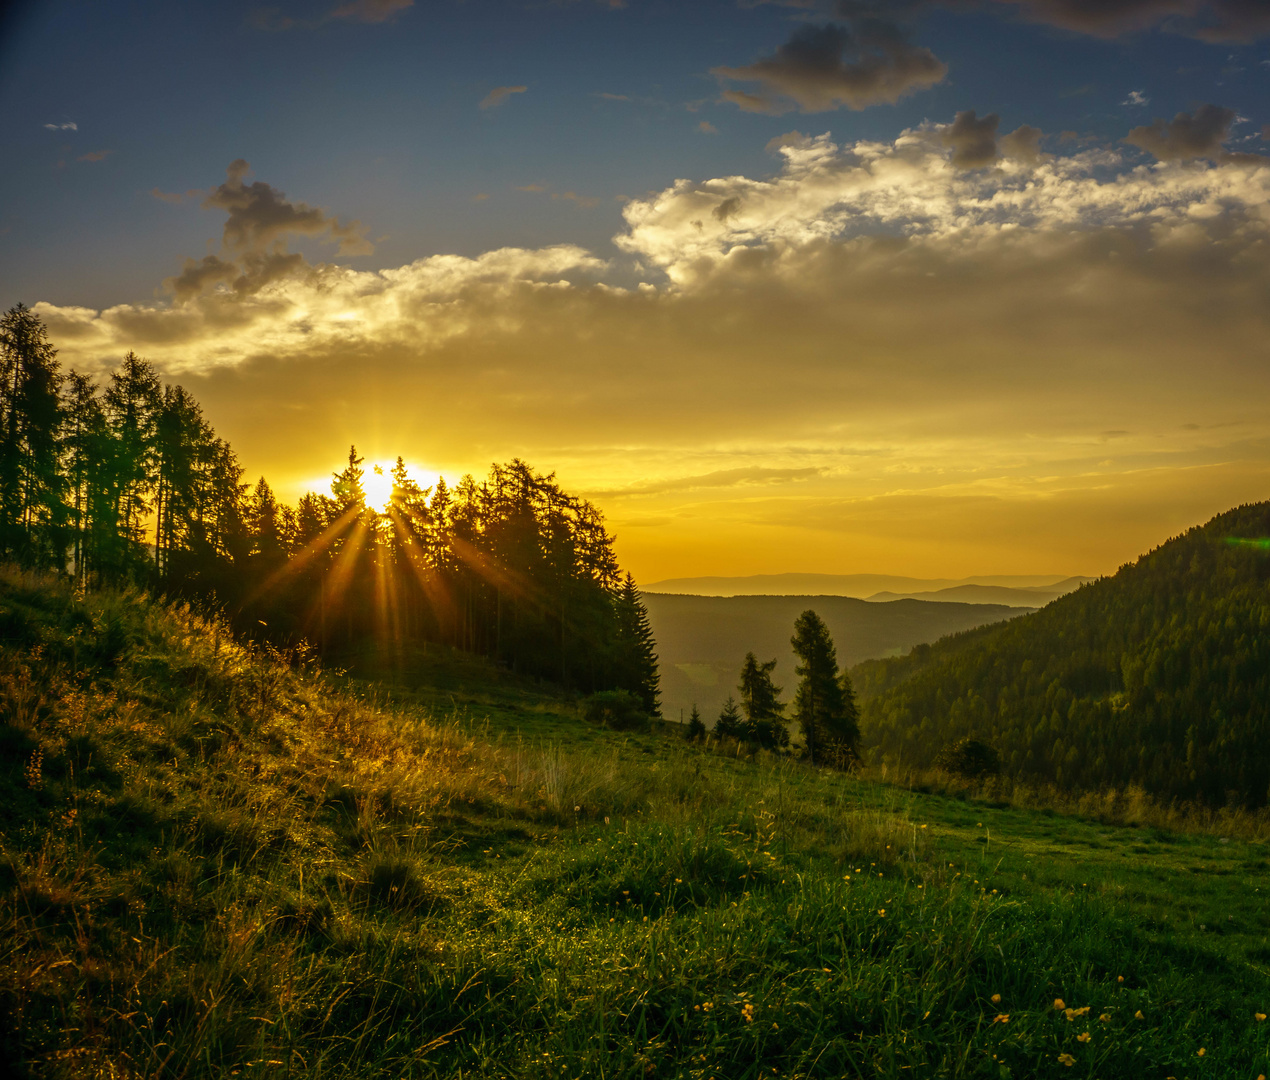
pixel 702 640
pixel 1029 596
pixel 1157 676
pixel 216 861
pixel 861 586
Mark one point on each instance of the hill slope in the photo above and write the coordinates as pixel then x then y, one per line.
pixel 702 640
pixel 1158 676
pixel 213 865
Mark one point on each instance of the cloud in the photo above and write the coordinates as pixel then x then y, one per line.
pixel 1136 97
pixel 500 94
pixel 1187 135
pixel 585 201
pixel 870 357
pixel 1210 20
pixel 827 67
pixel 62 127
pixel 720 478
pixel 973 140
pixel 371 11
pixel 259 221
pixel 261 215
pixel 707 128
pixel 95 155
pixel 535 188
pixel 1022 144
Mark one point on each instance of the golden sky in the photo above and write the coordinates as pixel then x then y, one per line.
pixel 941 354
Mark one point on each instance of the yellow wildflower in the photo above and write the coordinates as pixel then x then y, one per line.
pixel 1258 1017
pixel 1083 1037
pixel 1066 1059
pixel 995 999
pixel 1105 1018
pixel 1002 1018
pixel 1199 1052
pixel 1138 1015
pixel 1119 978
pixel 1060 1004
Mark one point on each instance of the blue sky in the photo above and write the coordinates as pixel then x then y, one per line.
pixel 610 238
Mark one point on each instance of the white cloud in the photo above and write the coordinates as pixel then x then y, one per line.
pixel 1136 97
pixel 62 127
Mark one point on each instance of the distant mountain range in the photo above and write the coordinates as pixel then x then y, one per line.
pixel 1013 591
pixel 1158 676
pixel 702 640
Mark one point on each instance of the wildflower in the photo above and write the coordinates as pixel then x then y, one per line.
pixel 1119 978
pixel 882 912
pixel 1001 1018
pixel 1138 1015
pixel 995 999
pixel 1199 1052
pixel 1083 1037
pixel 747 1013
pixel 1073 1014
pixel 1105 1018
pixel 1060 1004
pixel 1066 1059
pixel 1258 1017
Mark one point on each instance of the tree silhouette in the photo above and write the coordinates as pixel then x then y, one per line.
pixel 824 703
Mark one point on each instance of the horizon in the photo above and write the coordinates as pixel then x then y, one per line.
pixel 908 288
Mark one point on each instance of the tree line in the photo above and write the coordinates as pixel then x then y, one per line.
pixel 128 483
pixel 824 704
pixel 1158 676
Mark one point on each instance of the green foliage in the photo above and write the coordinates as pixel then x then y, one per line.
pixel 970 758
pixel 196 835
pixel 1158 676
pixel 617 709
pixel 696 726
pixel 132 486
pixel 760 698
pixel 824 703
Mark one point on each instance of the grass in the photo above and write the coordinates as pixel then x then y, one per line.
pixel 217 863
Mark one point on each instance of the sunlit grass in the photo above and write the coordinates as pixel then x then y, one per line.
pixel 218 863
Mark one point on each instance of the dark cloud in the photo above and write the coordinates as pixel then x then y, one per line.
pixel 260 215
pixel 371 11
pixel 820 68
pixel 1022 144
pixel 1211 20
pixel 975 143
pixel 255 237
pixel 973 140
pixel 721 478
pixel 1186 136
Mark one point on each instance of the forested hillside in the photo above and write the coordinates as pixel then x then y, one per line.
pixel 129 483
pixel 1157 676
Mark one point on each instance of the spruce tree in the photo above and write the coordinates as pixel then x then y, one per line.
pixel 638 661
pixel 696 726
pixel 824 703
pixel 32 512
pixel 730 724
pixel 761 700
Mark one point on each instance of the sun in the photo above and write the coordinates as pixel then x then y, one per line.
pixel 377 483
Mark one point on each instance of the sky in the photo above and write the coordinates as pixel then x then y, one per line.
pixel 925 287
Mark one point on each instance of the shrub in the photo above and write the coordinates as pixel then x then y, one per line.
pixel 616 709
pixel 969 757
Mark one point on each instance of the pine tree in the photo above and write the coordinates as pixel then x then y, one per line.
pixel 638 661
pixel 32 512
pixel 696 726
pixel 761 700
pixel 730 724
pixel 824 705
pixel 132 404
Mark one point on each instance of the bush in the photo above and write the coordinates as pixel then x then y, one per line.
pixel 970 758
pixel 616 709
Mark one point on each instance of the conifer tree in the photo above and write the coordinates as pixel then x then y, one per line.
pixel 760 699
pixel 730 725
pixel 638 662
pixel 823 705
pixel 696 726
pixel 32 513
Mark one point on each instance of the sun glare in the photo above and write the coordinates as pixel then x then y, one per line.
pixel 377 483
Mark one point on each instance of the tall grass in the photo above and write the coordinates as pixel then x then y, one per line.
pixel 215 861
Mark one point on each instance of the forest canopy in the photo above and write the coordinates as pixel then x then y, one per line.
pixel 130 484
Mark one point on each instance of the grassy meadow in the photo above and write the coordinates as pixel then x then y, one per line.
pixel 218 861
